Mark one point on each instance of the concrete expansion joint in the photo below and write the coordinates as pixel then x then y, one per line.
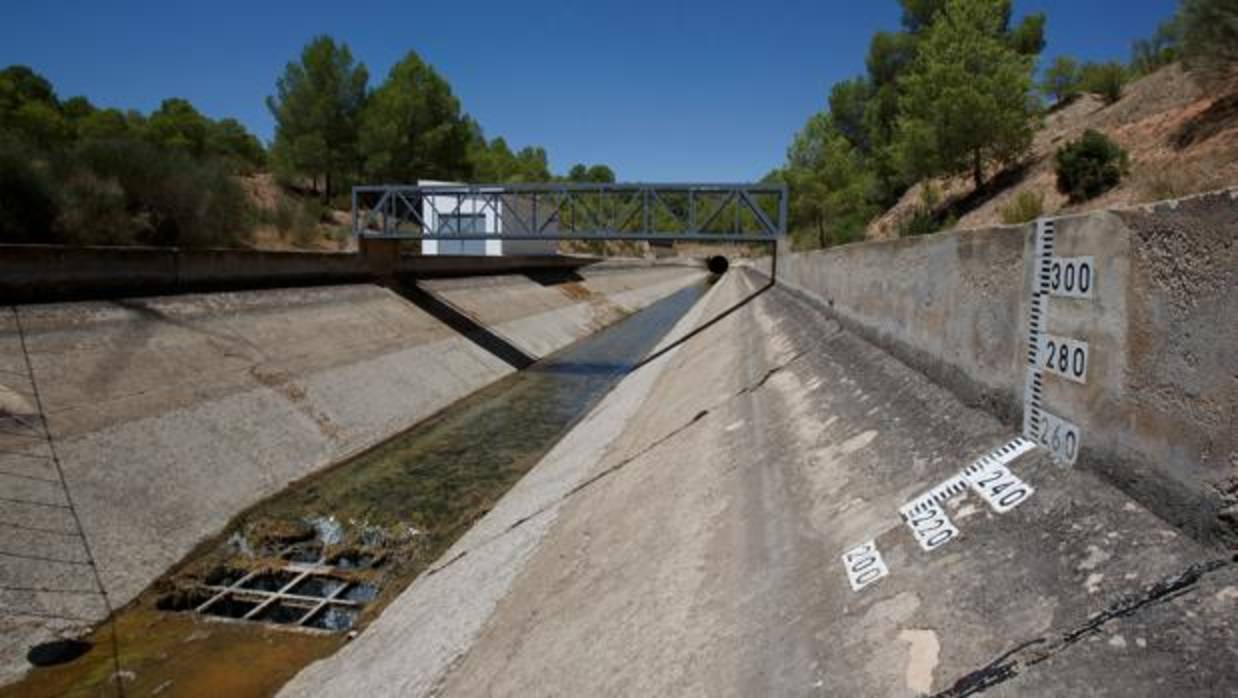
pixel 1041 649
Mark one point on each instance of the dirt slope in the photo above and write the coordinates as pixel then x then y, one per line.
pixel 1181 141
pixel 288 221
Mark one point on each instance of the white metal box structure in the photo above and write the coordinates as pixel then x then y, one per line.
pixel 451 214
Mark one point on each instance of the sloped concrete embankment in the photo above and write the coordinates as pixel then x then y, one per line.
pixel 1158 409
pixel 170 415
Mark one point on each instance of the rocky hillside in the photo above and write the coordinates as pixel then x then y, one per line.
pixel 1181 141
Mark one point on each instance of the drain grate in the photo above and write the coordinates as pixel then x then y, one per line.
pixel 308 596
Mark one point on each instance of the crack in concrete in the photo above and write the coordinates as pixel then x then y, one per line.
pixel 575 490
pixel 658 442
pixel 1010 664
pixel 770 374
pixel 620 465
pixel 617 466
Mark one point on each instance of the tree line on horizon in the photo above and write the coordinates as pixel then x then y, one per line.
pixel 333 130
pixel 953 93
pixel 74 173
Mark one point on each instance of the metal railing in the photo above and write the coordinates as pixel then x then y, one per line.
pixel 572 211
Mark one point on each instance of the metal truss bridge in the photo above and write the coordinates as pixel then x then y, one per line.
pixel 738 213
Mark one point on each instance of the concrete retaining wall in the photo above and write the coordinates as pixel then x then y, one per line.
pixel 1158 409
pixel 171 415
pixel 44 273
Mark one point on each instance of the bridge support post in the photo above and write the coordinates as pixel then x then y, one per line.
pixel 780 246
pixel 382 255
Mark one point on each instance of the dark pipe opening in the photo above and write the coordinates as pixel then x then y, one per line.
pixel 717 264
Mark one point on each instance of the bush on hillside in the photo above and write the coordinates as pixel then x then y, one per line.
pixel 173 199
pixel 1090 166
pixel 1104 79
pixel 1210 43
pixel 116 192
pixel 1026 207
pixel 93 211
pixel 27 197
pixel 925 218
pixel 298 220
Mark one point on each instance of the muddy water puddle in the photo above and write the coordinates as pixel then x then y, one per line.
pixel 294 577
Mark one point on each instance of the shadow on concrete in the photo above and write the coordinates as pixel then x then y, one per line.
pixel 554 277
pixel 701 328
pixel 469 328
pixel 137 335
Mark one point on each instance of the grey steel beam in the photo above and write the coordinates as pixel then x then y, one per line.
pixel 578 211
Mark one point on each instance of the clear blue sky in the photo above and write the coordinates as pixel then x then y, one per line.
pixel 660 90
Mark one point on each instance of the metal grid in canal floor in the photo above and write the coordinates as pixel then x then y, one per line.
pixel 309 596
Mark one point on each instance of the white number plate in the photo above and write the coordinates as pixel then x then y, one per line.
pixel 1064 356
pixel 929 523
pixel 1002 489
pixel 864 565
pixel 1072 277
pixel 1059 436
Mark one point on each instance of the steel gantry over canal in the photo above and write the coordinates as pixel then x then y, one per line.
pixel 738 213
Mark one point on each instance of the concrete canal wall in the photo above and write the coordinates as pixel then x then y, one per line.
pixel 1157 410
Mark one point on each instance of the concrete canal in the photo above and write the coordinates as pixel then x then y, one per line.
pixel 293 578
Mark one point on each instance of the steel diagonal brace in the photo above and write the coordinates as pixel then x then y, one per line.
pixel 658 200
pixel 562 199
pixel 637 204
pixel 524 225
pixel 763 219
pixel 372 213
pixel 717 211
pixel 412 210
pixel 596 219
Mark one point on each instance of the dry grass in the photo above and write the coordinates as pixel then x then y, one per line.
pixel 289 222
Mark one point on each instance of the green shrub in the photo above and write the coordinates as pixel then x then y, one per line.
pixel 1104 79
pixel 173 198
pixel 921 222
pixel 1090 166
pixel 924 219
pixel 1210 43
pixel 296 220
pixel 92 212
pixel 1027 206
pixel 27 197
